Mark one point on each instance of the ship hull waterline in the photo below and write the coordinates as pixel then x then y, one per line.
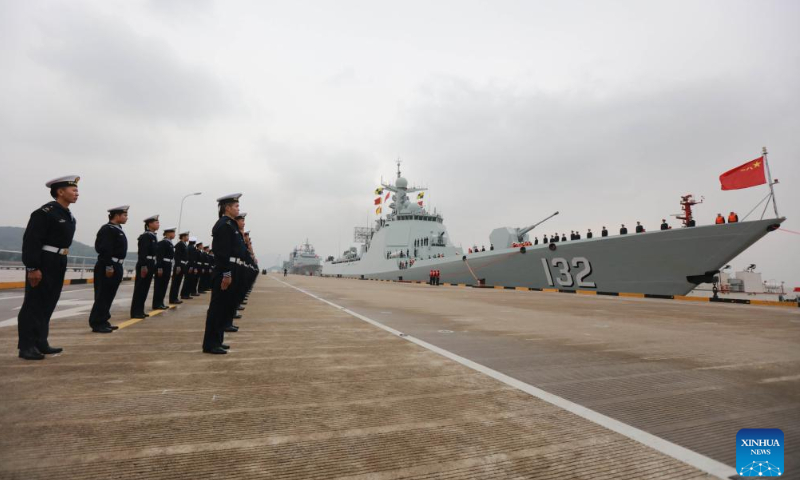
pixel 668 262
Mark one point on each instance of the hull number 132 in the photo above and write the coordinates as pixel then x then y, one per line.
pixel 569 273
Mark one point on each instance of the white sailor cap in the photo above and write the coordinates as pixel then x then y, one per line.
pixel 247 232
pixel 121 208
pixel 193 239
pixel 153 218
pixel 184 233
pixel 241 215
pixel 230 198
pixel 199 242
pixel 170 229
pixel 65 181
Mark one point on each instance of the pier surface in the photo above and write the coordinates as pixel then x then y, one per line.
pixel 316 389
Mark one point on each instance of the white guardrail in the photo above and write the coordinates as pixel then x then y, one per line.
pixel 12 260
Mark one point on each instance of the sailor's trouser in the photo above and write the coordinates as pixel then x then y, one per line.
pixel 161 285
pixel 33 321
pixel 141 288
pixel 177 278
pixel 105 289
pixel 219 311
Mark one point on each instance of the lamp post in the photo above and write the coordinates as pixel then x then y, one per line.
pixel 181 214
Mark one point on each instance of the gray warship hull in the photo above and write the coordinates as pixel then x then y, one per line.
pixel 668 262
pixel 305 269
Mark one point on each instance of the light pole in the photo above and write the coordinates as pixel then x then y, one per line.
pixel 181 214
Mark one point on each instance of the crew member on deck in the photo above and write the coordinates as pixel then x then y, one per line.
pixel 226 238
pixel 720 219
pixel 45 246
pixel 179 268
pixel 165 256
pixel 111 245
pixel 604 232
pixel 664 224
pixel 589 233
pixel 145 266
pixel 639 227
pixel 623 230
pixel 733 218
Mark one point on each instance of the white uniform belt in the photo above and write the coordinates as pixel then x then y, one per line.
pixel 151 257
pixel 60 251
pixel 168 260
pixel 117 260
pixel 184 261
pixel 233 260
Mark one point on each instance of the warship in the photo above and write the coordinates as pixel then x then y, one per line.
pixel 411 241
pixel 303 260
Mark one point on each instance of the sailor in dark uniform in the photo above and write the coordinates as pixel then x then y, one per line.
pixel 45 246
pixel 209 267
pixel 200 269
pixel 226 238
pixel 241 270
pixel 111 245
pixel 145 266
pixel 165 256
pixel 604 232
pixel 191 259
pixel 179 268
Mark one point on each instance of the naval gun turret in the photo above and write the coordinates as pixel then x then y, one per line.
pixel 508 237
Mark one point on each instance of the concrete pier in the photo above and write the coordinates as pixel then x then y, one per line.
pixel 323 382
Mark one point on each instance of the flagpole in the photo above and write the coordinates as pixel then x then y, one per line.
pixel 769 177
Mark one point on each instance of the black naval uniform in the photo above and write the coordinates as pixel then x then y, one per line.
pixel 188 282
pixel 50 227
pixel 165 255
pixel 223 302
pixel 111 246
pixel 147 258
pixel 180 267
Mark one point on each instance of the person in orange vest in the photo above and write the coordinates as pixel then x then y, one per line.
pixel 720 219
pixel 430 278
pixel 436 275
pixel 733 218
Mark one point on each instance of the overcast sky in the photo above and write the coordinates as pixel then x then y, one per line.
pixel 507 111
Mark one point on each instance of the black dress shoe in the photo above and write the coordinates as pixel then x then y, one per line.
pixel 103 329
pixel 215 351
pixel 161 307
pixel 139 315
pixel 32 353
pixel 244 303
pixel 237 316
pixel 186 298
pixel 226 347
pixel 48 350
pixel 231 329
pixel 112 327
pixel 240 308
pixel 175 302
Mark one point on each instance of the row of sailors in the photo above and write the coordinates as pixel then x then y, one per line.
pixel 575 235
pixel 229 271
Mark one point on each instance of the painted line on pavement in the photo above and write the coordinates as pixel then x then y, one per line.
pixel 151 313
pixel 666 447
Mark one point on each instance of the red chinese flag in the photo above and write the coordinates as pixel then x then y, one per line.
pixel 744 176
pixel 387 196
pixel 378 201
pixel 419 203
